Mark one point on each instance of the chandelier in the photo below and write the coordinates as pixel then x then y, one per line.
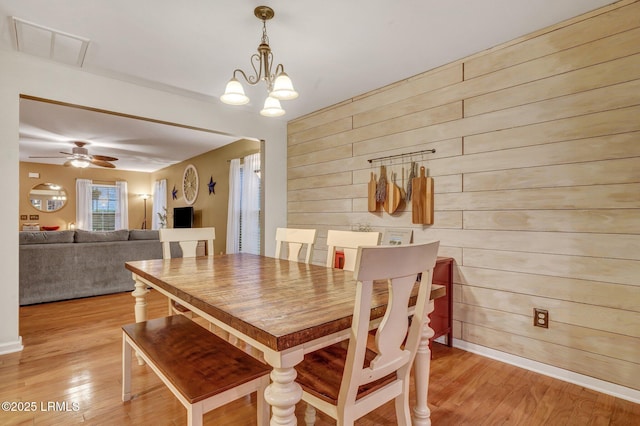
pixel 279 85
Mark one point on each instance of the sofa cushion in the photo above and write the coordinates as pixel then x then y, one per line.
pixel 46 237
pixel 101 236
pixel 144 234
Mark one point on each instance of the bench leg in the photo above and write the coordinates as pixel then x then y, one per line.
pixel 126 370
pixel 264 409
pixel 194 415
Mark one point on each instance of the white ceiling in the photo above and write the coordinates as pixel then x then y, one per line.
pixel 47 129
pixel 332 50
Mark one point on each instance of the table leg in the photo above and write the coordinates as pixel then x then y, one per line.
pixel 283 393
pixel 422 364
pixel 140 308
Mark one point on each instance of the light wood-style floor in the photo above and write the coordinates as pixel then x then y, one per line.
pixel 70 368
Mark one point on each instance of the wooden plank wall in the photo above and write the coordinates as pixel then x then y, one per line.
pixel 537 180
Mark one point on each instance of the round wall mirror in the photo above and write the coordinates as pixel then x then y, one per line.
pixel 48 197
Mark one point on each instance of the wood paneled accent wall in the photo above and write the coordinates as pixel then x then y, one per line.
pixel 537 180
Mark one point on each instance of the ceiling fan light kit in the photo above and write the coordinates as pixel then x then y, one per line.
pixel 279 85
pixel 80 163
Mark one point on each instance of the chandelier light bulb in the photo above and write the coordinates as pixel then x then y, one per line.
pixel 283 88
pixel 272 108
pixel 234 93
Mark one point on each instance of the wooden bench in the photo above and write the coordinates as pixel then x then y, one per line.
pixel 202 370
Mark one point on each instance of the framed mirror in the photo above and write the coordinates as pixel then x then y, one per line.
pixel 48 197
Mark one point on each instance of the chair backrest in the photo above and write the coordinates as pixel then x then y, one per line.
pixel 348 241
pixel 295 239
pixel 188 239
pixel 397 267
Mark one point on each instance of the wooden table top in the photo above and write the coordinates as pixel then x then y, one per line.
pixel 279 303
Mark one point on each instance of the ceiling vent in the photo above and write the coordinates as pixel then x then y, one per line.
pixel 48 43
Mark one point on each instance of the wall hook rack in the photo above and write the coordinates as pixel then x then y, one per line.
pixel 406 154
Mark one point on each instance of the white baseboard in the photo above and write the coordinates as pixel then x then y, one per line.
pixel 551 371
pixel 11 347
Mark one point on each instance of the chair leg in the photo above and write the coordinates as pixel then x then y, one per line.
pixel 345 421
pixel 310 415
pixel 403 412
pixel 126 370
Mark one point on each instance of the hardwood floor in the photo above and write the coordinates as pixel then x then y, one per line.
pixel 71 370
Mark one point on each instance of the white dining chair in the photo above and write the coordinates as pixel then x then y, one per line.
pixel 187 239
pixel 361 379
pixel 348 241
pixel 295 239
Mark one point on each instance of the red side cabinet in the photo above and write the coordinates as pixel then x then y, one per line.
pixel 442 315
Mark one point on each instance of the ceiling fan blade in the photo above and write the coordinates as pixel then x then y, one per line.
pixel 65 153
pixel 102 163
pixel 32 156
pixel 104 158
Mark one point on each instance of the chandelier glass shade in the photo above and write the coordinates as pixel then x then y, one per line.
pixel 279 85
pixel 234 93
pixel 283 88
pixel 272 107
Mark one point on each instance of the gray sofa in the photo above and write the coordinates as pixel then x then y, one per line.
pixel 60 265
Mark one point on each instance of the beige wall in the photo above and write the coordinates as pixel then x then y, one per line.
pixel 537 186
pixel 209 209
pixel 137 183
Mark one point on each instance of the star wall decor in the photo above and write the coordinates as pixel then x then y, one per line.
pixel 212 186
pixel 174 193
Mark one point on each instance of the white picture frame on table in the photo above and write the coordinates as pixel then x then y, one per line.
pixel 397 236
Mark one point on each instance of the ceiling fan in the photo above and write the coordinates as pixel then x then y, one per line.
pixel 80 157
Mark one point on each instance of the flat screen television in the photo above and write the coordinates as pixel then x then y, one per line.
pixel 183 217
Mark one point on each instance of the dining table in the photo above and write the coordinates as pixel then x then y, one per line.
pixel 283 308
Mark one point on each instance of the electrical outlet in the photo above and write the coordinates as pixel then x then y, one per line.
pixel 540 318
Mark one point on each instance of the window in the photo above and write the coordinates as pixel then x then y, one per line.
pixel 101 207
pixel 104 206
